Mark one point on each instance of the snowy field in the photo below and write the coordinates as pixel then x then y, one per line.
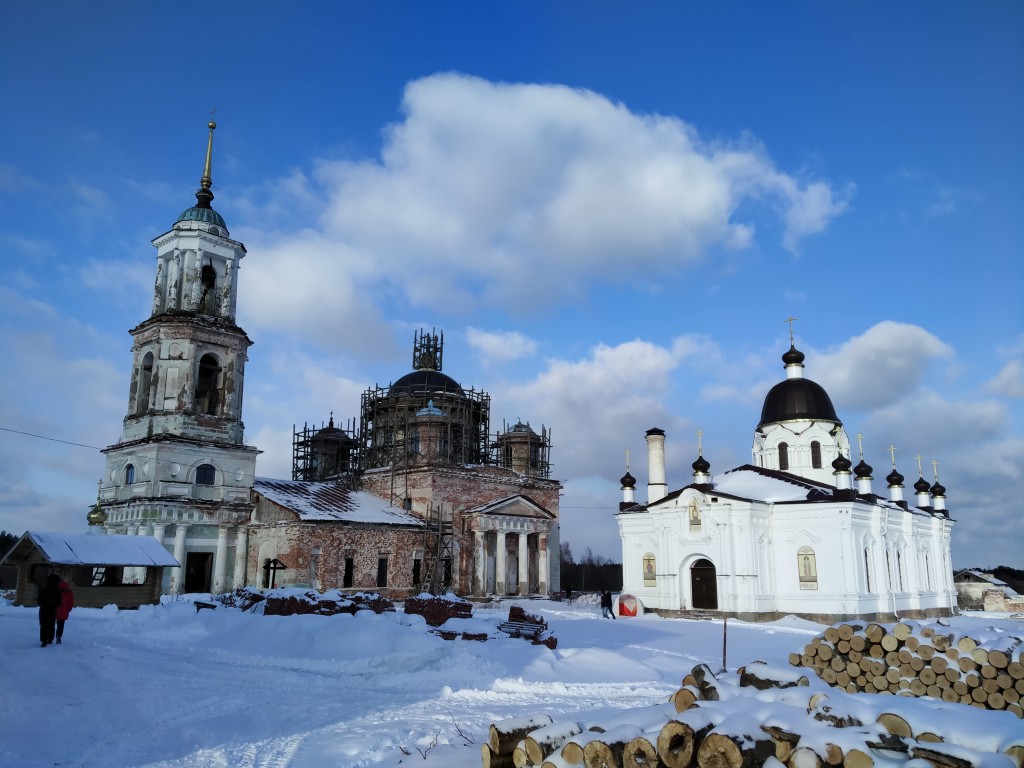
pixel 166 686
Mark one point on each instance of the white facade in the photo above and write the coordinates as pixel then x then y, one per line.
pixel 181 471
pixel 761 541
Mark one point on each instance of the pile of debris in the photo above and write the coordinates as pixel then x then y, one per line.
pixel 437 609
pixel 289 602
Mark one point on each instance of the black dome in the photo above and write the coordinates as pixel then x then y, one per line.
pixel 701 465
pixel 794 399
pixel 841 464
pixel 921 486
pixel 628 481
pixel 938 489
pixel 863 469
pixel 894 478
pixel 424 383
pixel 793 357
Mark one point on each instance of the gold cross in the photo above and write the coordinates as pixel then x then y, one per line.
pixel 627 459
pixel 860 445
pixel 700 446
pixel 920 471
pixel 892 453
pixel 935 469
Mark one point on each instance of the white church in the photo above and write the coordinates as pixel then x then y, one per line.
pixel 794 532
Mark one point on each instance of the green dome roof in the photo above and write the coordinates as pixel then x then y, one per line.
pixel 206 215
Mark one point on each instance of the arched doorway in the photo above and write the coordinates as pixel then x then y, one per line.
pixel 704 585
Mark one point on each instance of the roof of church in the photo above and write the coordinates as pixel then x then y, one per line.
pixel 99 549
pixel 330 501
pixel 797 399
pixel 425 382
pixel 770 486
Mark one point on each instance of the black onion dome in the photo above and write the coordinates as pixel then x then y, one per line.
pixel 797 399
pixel 841 464
pixel 938 489
pixel 921 486
pixel 894 478
pixel 793 357
pixel 628 481
pixel 863 469
pixel 425 382
pixel 701 465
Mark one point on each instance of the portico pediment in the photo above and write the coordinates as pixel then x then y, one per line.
pixel 512 506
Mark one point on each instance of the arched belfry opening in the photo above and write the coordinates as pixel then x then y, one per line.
pixel 145 384
pixel 207 299
pixel 704 585
pixel 208 394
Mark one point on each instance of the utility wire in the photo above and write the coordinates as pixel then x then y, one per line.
pixel 51 439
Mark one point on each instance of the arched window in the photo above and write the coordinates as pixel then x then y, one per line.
pixel 783 456
pixel 867 569
pixel 207 386
pixel 816 454
pixel 129 474
pixel 414 443
pixel 145 383
pixel 208 277
pixel 807 568
pixel 206 474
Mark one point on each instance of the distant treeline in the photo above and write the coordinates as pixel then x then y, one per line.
pixel 592 573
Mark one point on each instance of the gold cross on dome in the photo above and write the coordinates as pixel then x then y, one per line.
pixel 700 444
pixel 627 458
pixel 892 453
pixel 860 445
pixel 920 471
pixel 935 469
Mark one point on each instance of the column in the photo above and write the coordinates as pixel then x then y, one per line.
pixel 220 562
pixel 178 574
pixel 241 555
pixel 542 564
pixel 158 531
pixel 132 572
pixel 499 564
pixel 524 565
pixel 481 562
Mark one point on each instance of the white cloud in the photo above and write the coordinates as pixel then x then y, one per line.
pixel 1009 382
pixel 877 368
pixel 513 196
pixel 500 345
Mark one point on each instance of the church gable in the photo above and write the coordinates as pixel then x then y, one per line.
pixel 513 506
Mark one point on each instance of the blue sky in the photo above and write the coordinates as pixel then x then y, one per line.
pixel 610 209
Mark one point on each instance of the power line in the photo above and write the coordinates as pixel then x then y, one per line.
pixel 51 439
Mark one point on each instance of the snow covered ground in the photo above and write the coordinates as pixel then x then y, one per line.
pixel 167 686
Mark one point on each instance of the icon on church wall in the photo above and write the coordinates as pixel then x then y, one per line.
pixel 807 568
pixel 694 514
pixel 650 577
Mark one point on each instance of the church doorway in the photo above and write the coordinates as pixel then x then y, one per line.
pixel 704 585
pixel 197 571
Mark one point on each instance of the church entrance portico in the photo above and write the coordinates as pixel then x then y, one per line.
pixel 511 553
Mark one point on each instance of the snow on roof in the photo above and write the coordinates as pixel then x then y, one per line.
pixel 748 483
pixel 330 501
pixel 97 549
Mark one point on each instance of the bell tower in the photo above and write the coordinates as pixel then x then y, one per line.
pixel 182 461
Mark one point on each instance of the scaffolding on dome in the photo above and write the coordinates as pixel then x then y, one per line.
pixel 325 452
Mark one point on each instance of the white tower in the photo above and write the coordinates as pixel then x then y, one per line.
pixel 181 468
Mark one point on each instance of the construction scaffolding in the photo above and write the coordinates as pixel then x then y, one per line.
pixel 324 453
pixel 520 448
pixel 438 551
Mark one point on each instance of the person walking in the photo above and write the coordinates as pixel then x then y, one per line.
pixel 606 604
pixel 67 602
pixel 49 601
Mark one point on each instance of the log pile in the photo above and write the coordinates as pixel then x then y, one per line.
pixel 761 717
pixel 910 659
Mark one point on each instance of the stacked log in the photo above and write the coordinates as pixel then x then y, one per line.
pixel 913 660
pixel 763 716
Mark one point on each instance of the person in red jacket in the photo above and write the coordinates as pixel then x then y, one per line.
pixel 67 602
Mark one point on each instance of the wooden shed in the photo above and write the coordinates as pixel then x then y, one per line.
pixel 125 571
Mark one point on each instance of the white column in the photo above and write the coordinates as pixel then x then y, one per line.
pixel 158 531
pixel 220 562
pixel 241 555
pixel 542 564
pixel 178 574
pixel 480 551
pixel 499 564
pixel 656 485
pixel 524 565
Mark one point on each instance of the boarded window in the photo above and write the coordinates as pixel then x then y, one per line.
pixel 783 456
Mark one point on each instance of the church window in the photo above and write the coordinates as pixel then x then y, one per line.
pixel 694 510
pixel 417 565
pixel 129 474
pixel 208 277
pixel 350 565
pixel 407 504
pixel 807 568
pixel 927 571
pixel 867 569
pixel 899 570
pixel 206 474
pixel 414 442
pixel 208 395
pixel 382 572
pixel 783 456
pixel 816 454
pixel 145 384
